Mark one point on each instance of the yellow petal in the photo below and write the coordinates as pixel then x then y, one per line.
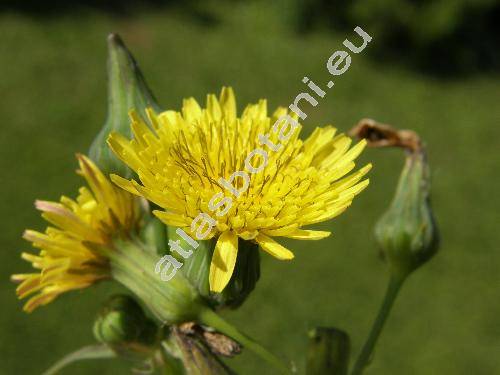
pixel 272 247
pixel 122 148
pixel 228 103
pixel 124 184
pixel 223 261
pixel 171 218
pixel 283 231
pixel 213 107
pixel 191 110
pixel 356 189
pixel 302 234
pixel 352 154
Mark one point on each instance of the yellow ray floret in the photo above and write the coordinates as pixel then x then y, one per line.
pixel 68 258
pixel 181 158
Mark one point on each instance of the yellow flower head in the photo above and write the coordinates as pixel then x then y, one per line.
pixel 68 258
pixel 249 177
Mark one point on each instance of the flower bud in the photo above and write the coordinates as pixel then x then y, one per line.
pixel 122 322
pixel 127 90
pixel 328 352
pixel 407 233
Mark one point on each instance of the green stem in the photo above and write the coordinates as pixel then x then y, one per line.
pixel 210 318
pixel 395 283
pixel 87 352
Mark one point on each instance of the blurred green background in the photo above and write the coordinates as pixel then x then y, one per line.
pixel 53 102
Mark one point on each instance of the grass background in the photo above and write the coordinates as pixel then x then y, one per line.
pixel 53 102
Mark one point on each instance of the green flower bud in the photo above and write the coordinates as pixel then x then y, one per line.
pixel 122 322
pixel 328 352
pixel 407 233
pixel 127 90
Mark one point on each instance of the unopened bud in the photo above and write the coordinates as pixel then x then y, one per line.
pixel 127 90
pixel 328 352
pixel 407 233
pixel 123 322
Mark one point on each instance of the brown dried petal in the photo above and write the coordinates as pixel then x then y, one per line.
pixel 383 135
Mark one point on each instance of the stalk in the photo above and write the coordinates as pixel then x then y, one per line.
pixel 393 288
pixel 210 318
